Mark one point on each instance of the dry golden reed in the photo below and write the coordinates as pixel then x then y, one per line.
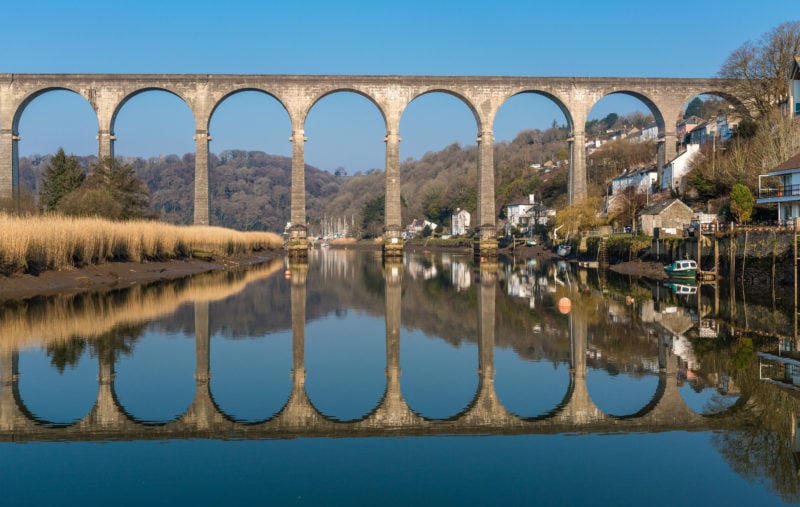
pixel 53 242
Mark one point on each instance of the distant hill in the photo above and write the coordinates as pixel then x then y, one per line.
pixel 248 190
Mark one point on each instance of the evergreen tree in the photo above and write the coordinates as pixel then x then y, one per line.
pixel 695 108
pixel 373 217
pixel 112 191
pixel 742 202
pixel 62 175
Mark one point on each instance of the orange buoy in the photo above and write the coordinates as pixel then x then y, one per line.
pixel 564 305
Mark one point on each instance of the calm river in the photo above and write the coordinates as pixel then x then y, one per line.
pixel 430 381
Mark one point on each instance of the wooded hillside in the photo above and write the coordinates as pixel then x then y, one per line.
pixel 250 190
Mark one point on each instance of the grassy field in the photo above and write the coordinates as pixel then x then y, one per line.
pixel 48 242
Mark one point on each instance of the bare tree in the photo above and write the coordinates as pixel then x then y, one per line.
pixel 633 202
pixel 761 68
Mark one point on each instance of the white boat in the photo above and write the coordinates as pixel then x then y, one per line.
pixel 683 289
pixel 683 268
pixel 563 250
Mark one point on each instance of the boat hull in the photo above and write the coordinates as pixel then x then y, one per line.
pixel 683 269
pixel 684 274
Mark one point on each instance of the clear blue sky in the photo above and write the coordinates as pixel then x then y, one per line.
pixel 501 37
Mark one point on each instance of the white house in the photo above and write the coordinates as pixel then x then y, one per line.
pixel 794 87
pixel 649 133
pixel 672 174
pixel 781 186
pixel 417 226
pixel 517 211
pixel 460 222
pixel 538 214
pixel 641 179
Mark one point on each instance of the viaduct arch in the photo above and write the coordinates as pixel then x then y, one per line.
pixel 484 95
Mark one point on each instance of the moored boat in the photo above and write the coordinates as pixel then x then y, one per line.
pixel 682 268
pixel 563 250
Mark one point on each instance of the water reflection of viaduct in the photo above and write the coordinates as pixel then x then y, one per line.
pixel 576 413
pixel 484 96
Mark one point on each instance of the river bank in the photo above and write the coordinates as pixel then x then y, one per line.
pixel 117 275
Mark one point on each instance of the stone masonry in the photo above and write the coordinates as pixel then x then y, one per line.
pixel 483 95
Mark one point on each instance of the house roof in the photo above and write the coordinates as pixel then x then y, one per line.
pixel 520 202
pixel 692 149
pixel 660 207
pixel 692 120
pixel 788 165
pixel 635 171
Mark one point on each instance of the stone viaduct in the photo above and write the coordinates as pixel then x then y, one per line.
pixel 576 413
pixel 203 93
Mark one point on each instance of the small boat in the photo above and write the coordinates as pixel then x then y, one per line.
pixel 683 268
pixel 530 242
pixel 682 289
pixel 563 250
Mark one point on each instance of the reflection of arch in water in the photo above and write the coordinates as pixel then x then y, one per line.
pixel 251 386
pixel 62 383
pixel 170 409
pixel 658 396
pixel 106 406
pixel 555 411
pixel 470 408
pixel 365 417
pixel 232 418
pixel 437 393
pixel 733 401
pixel 345 378
pixel 25 411
pixel 735 408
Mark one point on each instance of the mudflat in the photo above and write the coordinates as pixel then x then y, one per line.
pixel 114 275
pixel 653 270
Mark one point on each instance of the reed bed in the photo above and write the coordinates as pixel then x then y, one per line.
pixel 51 242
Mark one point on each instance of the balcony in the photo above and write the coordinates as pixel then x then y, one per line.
pixel 785 191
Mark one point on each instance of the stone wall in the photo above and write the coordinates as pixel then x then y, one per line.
pixel 760 256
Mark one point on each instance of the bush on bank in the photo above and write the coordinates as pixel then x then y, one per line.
pixel 52 242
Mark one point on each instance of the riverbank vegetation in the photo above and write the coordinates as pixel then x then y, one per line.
pixel 52 242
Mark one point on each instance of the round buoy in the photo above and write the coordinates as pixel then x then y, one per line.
pixel 564 305
pixel 287 274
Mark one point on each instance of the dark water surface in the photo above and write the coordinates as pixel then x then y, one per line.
pixel 431 381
